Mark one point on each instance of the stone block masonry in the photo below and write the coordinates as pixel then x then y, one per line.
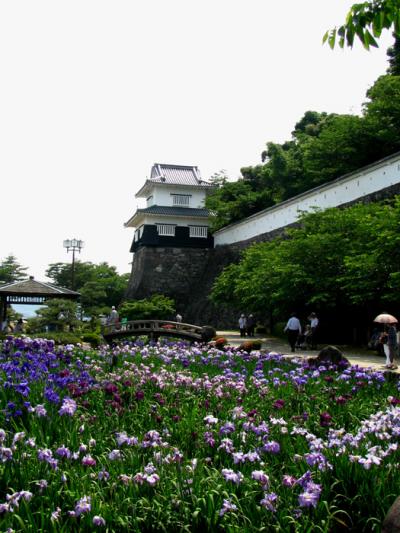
pixel 187 276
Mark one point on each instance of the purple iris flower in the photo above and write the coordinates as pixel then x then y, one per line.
pixel 68 407
pixel 51 395
pixel 227 506
pixel 325 419
pixel 23 388
pixel 270 501
pixel 227 428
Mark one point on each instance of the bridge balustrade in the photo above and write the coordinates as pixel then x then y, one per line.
pixel 152 328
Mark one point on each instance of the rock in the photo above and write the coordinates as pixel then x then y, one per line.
pixel 329 355
pixel 391 524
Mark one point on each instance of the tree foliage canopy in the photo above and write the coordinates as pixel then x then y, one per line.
pixel 338 257
pixel 11 270
pixel 323 147
pixel 57 313
pixel 100 285
pixel 153 308
pixel 366 21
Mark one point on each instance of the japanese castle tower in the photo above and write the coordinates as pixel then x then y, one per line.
pixel 174 215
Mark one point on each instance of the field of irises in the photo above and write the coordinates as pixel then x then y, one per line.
pixel 168 437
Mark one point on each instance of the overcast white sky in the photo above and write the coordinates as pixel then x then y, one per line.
pixel 94 92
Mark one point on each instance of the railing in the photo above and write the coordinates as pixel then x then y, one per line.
pixel 166 229
pixel 181 199
pixel 152 328
pixel 198 231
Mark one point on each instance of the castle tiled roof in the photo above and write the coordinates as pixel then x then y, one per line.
pixel 174 211
pixel 183 175
pixel 177 175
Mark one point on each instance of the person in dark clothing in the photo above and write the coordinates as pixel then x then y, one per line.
pixel 314 322
pixel 392 344
pixel 251 324
pixel 19 328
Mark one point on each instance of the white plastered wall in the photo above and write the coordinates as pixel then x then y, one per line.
pixel 341 191
pixel 162 195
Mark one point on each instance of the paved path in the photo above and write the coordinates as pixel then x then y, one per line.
pixel 356 356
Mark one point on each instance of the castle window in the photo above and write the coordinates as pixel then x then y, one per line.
pixel 198 231
pixel 167 230
pixel 181 199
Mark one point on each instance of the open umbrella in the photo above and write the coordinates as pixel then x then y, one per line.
pixel 385 318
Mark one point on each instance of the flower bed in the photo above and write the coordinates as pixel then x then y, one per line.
pixel 174 438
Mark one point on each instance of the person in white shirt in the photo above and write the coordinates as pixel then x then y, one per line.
pixel 242 325
pixel 293 329
pixel 113 319
pixel 313 324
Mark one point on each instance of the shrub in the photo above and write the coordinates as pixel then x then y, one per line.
pixel 158 307
pixel 277 329
pixel 249 346
pixel 93 338
pixel 60 337
pixel 219 342
pixel 207 333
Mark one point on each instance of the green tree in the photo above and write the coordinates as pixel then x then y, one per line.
pixel 219 178
pixel 344 143
pixel 366 21
pixel 229 203
pixel 382 113
pixel 153 308
pixel 323 147
pixel 58 314
pixel 100 285
pixel 338 258
pixel 61 274
pixel 393 54
pixel 11 270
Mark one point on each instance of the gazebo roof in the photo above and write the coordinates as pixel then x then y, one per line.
pixel 30 290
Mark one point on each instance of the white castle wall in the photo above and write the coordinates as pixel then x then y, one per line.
pixel 349 188
pixel 178 221
pixel 162 196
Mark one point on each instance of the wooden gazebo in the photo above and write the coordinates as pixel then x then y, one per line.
pixel 30 292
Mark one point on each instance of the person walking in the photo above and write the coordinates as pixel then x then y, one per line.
pixel 313 325
pixel 242 325
pixel 19 327
pixel 251 324
pixel 392 345
pixel 178 318
pixel 113 319
pixel 293 329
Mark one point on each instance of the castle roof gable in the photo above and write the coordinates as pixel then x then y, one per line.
pixel 181 175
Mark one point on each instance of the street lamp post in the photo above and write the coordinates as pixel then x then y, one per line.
pixel 76 246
